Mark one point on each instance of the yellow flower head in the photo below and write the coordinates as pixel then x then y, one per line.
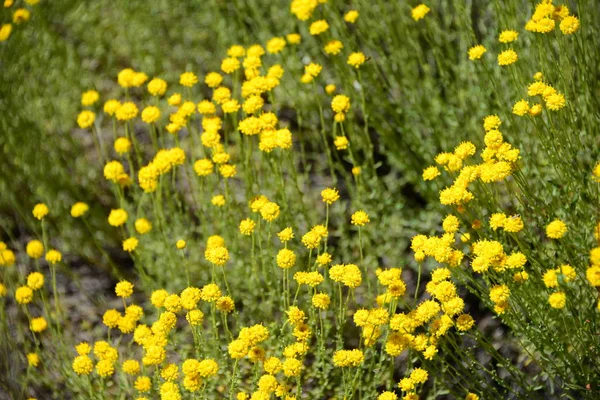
pixel 35 280
pixel 124 289
pixel 333 47
pixel 340 104
pixel 557 300
pixel 53 256
pixel 351 16
pixel 150 114
pixel 356 59
pixel 507 57
pixel 419 12
pixel 117 217
pixel 556 229
pixel 157 87
pixel 508 36
pixel 188 79
pixel 318 27
pixel 35 249
pixel 247 226
pixel 111 106
pixel 360 218
pixel 89 97
pixel 569 25
pixel 122 145
pixel 127 111
pixel 40 210
pixel 276 45
pixel 270 211
pixel 330 195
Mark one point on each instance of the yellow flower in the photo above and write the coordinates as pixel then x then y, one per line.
pixel 256 50
pixel 286 259
pixel 341 142
pixel 557 300
pixel 491 122
pixel 218 200
pixel 360 218
pixel 237 349
pixel 111 106
pixel 292 367
pixel 90 97
pixel 387 396
pixel 188 79
pixel 270 211
pixel 419 12
pixel 340 104
pixel 348 358
pixel 286 235
pixel 35 280
pixel 351 16
pixel 333 47
pixel 38 324
pixel 236 51
pixel 556 229
pixel 130 244
pixel 247 226
pixel 35 249
pixel 82 365
pixel 210 292
pixel 117 217
pixel 276 45
pixel 79 209
pixel 213 79
pixel 111 318
pixel 53 256
pixel 174 100
pixel 430 173
pixel 521 107
pixel 230 65
pixel 5 31
pixel 535 110
pixel 124 289
pixel 225 304
pixel 596 172
pixel 293 38
pixel 125 78
pixel 143 226
pixel 157 87
pixel 127 111
pixel 555 101
pixel 318 27
pixel 131 367
pixel 143 384
pixel 24 295
pixel 40 210
pixel 450 224
pixel 508 36
pixel 33 359
pixel 507 57
pixel 321 301
pixel 150 114
pixel 218 255
pixel 330 195
pixel 21 15
pixel 569 25
pixel 356 59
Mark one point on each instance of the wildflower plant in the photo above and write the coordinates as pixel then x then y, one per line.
pixel 380 201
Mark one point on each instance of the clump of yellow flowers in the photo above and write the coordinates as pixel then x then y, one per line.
pixel 260 252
